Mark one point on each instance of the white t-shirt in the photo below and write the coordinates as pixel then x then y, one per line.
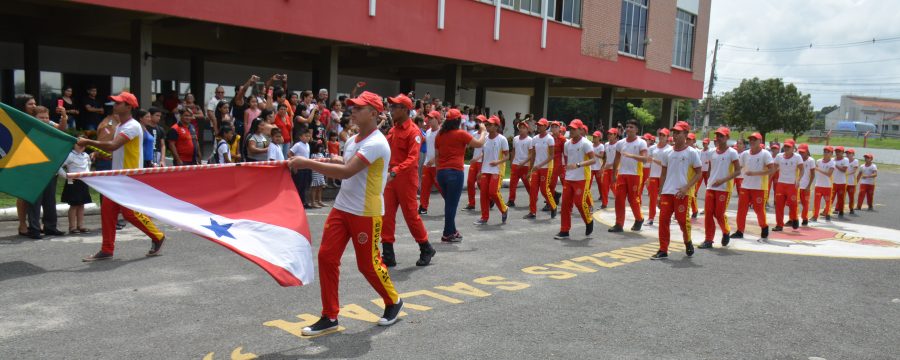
pixel 611 153
pixel 868 170
pixel 224 152
pixel 75 163
pixel 211 105
pixel 492 150
pixel 361 194
pixel 741 161
pixel 851 172
pixel 705 157
pixel 130 155
pixel 787 168
pixel 755 162
pixel 300 149
pixel 658 153
pixel 808 164
pixel 430 135
pixel 823 180
pixel 599 153
pixel 721 165
pixel 680 168
pixel 629 166
pixel 840 177
pixel 521 147
pixel 477 153
pixel 575 152
pixel 543 149
pixel 275 152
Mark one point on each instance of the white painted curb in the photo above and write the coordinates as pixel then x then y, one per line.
pixel 9 214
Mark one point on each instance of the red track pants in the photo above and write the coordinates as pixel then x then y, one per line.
pixel 471 180
pixel 557 176
pixel 109 215
pixel 627 186
pixel 401 192
pixel 758 199
pixel 851 195
pixel 670 205
pixel 578 193
pixel 866 191
pixel 541 184
pixel 429 178
pixel 804 204
pixel 653 194
pixel 490 185
pixel 785 194
pixel 822 193
pixel 715 205
pixel 518 172
pixel 606 186
pixel 839 191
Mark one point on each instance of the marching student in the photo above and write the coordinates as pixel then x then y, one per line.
pixel 600 159
pixel 578 154
pixel 628 170
pixel 852 171
pixel 519 170
pixel 647 161
pixel 789 166
pixel 656 154
pixel 739 147
pixel 609 161
pixel 705 155
pixel 692 145
pixel 474 164
pixel 824 173
pixel 680 170
pixel 495 153
pixel 541 157
pixel 866 181
pixel 558 131
pixel 839 181
pixel 806 181
pixel 429 171
pixel 775 150
pixel 356 214
pixel 757 165
pixel 724 167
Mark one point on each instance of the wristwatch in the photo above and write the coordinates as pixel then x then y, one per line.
pixel 393 174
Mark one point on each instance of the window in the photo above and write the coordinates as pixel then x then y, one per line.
pixel 633 27
pixel 683 51
pixel 571 12
pixel 534 7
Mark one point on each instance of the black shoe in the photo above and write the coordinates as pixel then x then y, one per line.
pixel 689 248
pixel 390 314
pixel 469 207
pixel 650 223
pixel 387 255
pixel 726 239
pixel 492 204
pixel 53 232
pixel 562 235
pixel 553 213
pixel 659 256
pixel 615 229
pixel 100 255
pixel 423 211
pixel 480 222
pixel 805 223
pixel 120 224
pixel 503 216
pixel 511 203
pixel 556 197
pixel 706 245
pixel 765 233
pixel 156 247
pixel 778 228
pixel 795 224
pixel 36 235
pixel 322 326
pixel 694 215
pixel 589 228
pixel 852 212
pixel 426 252
pixel 602 207
pixel 827 217
pixel 737 235
pixel 529 216
pixel 546 207
pixel 841 215
pixel 637 225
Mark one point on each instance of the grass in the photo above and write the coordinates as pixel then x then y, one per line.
pixel 8 201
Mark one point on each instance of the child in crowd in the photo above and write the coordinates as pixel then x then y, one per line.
pixel 75 192
pixel 302 177
pixel 334 149
pixel 317 152
pixel 275 148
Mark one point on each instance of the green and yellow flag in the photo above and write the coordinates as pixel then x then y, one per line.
pixel 30 153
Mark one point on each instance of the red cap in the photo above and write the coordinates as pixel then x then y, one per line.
pixel 543 122
pixel 125 97
pixel 555 123
pixel 453 114
pixel 755 135
pixel 367 98
pixel 851 151
pixel 401 99
pixel 434 114
pixel 525 124
pixel 663 131
pixel 706 140
pixel 789 143
pixel 803 148
pixel 493 120
pixel 691 136
pixel 597 133
pixel 562 127
pixel 648 136
pixel 869 155
pixel 724 131
pixel 839 148
pixel 613 131
pixel 828 148
pixel 682 126
pixel 577 124
pixel 774 146
pixel 481 118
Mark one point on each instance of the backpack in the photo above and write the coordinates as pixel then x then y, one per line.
pixel 214 157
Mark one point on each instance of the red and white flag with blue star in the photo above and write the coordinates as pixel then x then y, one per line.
pixel 251 209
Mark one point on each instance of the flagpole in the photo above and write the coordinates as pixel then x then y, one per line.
pixel 169 169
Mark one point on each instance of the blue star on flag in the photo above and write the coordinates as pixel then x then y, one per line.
pixel 220 229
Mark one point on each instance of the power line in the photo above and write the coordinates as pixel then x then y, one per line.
pixel 836 83
pixel 873 41
pixel 813 64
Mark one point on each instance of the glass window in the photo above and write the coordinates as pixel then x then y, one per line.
pixel 683 51
pixel 120 83
pixel 571 12
pixel 633 27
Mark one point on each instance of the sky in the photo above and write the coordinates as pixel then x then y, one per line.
pixel 779 24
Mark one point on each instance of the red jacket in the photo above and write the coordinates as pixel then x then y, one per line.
pixel 405 140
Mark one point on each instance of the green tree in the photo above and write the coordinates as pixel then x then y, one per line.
pixel 642 115
pixel 797 110
pixel 757 104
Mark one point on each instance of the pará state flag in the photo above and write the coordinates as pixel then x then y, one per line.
pixel 30 153
pixel 253 210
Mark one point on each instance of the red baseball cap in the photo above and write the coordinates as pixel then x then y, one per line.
pixel 555 123
pixel 434 114
pixel 869 155
pixel 125 97
pixel 671 139
pixel 525 124
pixel 577 124
pixel 774 146
pixel 453 114
pixel 828 148
pixel 597 133
pixel 682 126
pixel 839 148
pixel 724 131
pixel 851 151
pixel 493 120
pixel 481 118
pixel 367 98
pixel 692 136
pixel 706 140
pixel 543 122
pixel 663 131
pixel 562 127
pixel 648 136
pixel 755 135
pixel 803 148
pixel 613 131
pixel 401 99
pixel 789 143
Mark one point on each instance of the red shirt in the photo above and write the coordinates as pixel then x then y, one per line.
pixel 451 149
pixel 405 140
pixel 334 148
pixel 286 126
pixel 184 142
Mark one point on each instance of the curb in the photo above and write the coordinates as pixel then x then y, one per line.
pixel 9 214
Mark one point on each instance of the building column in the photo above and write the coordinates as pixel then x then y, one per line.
pixel 407 85
pixel 7 87
pixel 32 68
pixel 141 61
pixel 668 113
pixel 540 97
pixel 325 74
pixel 198 79
pixel 481 97
pixel 606 107
pixel 452 80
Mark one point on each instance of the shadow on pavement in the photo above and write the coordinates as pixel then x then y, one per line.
pixel 17 269
pixel 402 274
pixel 337 346
pixel 683 263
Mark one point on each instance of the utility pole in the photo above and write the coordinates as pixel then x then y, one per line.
pixel 709 93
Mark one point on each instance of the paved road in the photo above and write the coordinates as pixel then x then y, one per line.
pixel 506 292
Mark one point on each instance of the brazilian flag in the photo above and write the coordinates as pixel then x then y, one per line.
pixel 30 153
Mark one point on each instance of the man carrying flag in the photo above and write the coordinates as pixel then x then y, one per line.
pixel 126 148
pixel 357 213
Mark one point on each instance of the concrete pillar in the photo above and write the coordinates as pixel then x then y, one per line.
pixel 668 113
pixel 606 108
pixel 198 79
pixel 540 97
pixel 32 68
pixel 481 97
pixel 452 80
pixel 141 61
pixel 325 74
pixel 407 85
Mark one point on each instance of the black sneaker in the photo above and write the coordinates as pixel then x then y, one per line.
pixel 852 212
pixel 322 326
pixel 737 235
pixel 530 216
pixel 120 224
pixel 423 211
pixel 546 207
pixel 562 235
pixel 765 233
pixel 659 256
pixel 650 223
pixel 511 203
pixel 805 222
pixel 602 207
pixel 778 228
pixel 457 235
pixel 469 207
pixel 706 245
pixel 827 217
pixel 694 215
pixel 815 219
pixel 589 228
pixel 553 213
pixel 615 229
pixel 841 215
pixel 426 252
pixel 454 238
pixel 480 222
pixel 387 254
pixel 390 314
pixel 503 216
pixel 35 235
pixel 100 255
pixel 795 224
pixel 156 247
pixel 726 239
pixel 689 249
pixel 53 232
pixel 637 225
